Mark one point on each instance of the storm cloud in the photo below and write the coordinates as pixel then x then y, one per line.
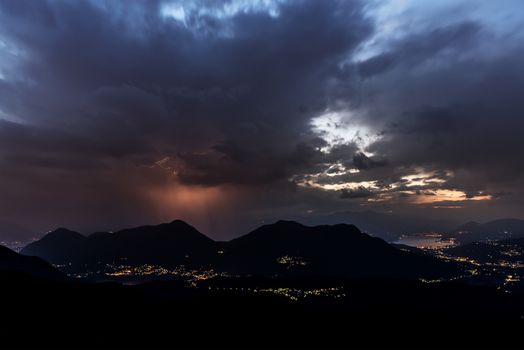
pixel 115 113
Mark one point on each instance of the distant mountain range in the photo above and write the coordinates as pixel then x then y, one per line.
pixel 282 248
pixel 388 226
pixel 391 226
pixel 493 230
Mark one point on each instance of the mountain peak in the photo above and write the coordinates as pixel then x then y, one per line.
pixel 58 242
pixel 63 232
pixel 179 222
pixel 287 223
pixel 62 229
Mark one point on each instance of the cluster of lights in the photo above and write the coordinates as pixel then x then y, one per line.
pixel 460 259
pixel 293 294
pixel 511 279
pixel 157 270
pixel 512 252
pixel 456 278
pixel 510 268
pixel 17 246
pixel 291 261
pixel 507 264
pixel 147 270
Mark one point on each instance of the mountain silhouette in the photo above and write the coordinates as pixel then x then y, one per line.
pixel 388 226
pixel 60 246
pixel 282 248
pixel 340 250
pixel 169 243
pixel 493 230
pixel 11 261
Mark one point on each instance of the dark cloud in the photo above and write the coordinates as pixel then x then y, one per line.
pixel 112 112
pixel 360 192
pixel 101 91
pixel 163 86
pixel 418 48
pixel 362 162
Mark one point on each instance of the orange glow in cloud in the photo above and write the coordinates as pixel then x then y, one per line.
pixel 196 204
pixel 448 196
pixel 447 207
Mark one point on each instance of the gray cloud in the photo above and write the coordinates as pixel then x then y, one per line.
pixel 418 48
pixel 361 161
pixel 99 88
pixel 360 192
pixel 98 92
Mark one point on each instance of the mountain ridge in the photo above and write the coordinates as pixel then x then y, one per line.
pixel 499 229
pixel 284 247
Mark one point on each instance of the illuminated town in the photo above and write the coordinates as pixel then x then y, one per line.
pixel 293 294
pixel 291 261
pixel 130 274
pixel 123 273
pixel 501 266
pixel 501 262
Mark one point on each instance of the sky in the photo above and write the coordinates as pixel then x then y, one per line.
pixel 229 114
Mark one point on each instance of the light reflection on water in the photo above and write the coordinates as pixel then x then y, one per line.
pixel 429 242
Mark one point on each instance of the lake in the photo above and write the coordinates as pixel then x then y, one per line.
pixel 429 242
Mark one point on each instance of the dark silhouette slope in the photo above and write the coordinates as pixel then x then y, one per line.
pixel 340 250
pixel 60 246
pixel 282 248
pixel 169 243
pixel 13 262
pixel 372 314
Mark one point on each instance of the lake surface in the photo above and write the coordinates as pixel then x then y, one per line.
pixel 429 242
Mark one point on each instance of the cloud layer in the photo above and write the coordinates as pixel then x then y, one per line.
pixel 222 113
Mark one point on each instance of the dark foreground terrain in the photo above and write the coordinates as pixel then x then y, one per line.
pixel 282 285
pixel 38 312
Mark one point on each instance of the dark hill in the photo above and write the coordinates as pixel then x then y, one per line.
pixel 14 262
pixel 60 246
pixel 168 243
pixel 371 314
pixel 340 250
pixel 283 248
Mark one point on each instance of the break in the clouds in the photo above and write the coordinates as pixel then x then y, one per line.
pixel 124 112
